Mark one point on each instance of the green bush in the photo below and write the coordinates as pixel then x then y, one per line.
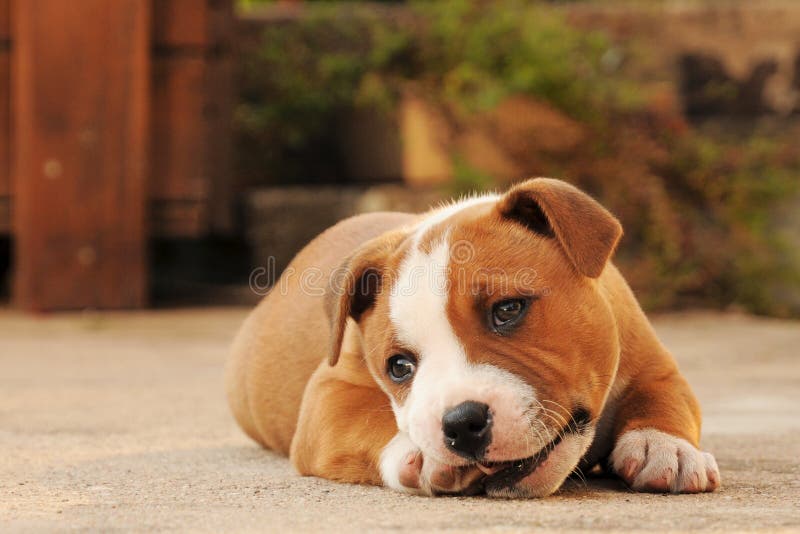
pixel 699 207
pixel 302 78
pixel 300 81
pixel 476 54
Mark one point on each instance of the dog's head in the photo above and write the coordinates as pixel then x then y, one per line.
pixel 487 328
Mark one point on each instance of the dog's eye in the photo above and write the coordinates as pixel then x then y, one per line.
pixel 401 367
pixel 507 312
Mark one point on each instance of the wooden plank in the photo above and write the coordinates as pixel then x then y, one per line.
pixel 221 24
pixel 181 23
pixel 81 114
pixel 179 129
pixel 5 215
pixel 191 185
pixel 191 150
pixel 219 113
pixel 5 142
pixel 5 117
pixel 192 110
pixel 5 21
pixel 202 24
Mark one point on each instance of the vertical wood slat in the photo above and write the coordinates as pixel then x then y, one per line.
pixel 180 22
pixel 179 131
pixel 81 129
pixel 191 144
pixel 180 181
pixel 5 20
pixel 5 115
pixel 222 95
pixel 5 143
pixel 192 23
pixel 192 107
pixel 220 162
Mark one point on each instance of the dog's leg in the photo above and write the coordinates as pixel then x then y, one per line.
pixel 657 430
pixel 347 432
pixel 344 424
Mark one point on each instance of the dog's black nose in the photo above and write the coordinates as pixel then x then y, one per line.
pixel 468 429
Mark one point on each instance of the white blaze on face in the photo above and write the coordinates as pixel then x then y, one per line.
pixel 417 310
pixel 445 377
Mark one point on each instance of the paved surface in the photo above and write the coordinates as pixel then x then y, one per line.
pixel 118 422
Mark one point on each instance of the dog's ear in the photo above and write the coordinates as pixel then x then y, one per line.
pixel 355 285
pixel 586 231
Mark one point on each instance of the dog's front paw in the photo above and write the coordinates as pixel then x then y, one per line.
pixel 404 468
pixel 650 460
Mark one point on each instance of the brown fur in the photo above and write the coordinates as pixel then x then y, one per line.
pixel 587 324
pixel 286 337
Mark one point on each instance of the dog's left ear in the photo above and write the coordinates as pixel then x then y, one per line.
pixel 355 286
pixel 586 231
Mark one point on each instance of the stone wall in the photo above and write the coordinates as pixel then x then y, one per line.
pixel 755 46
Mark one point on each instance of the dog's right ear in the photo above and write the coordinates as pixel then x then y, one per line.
pixel 586 231
pixel 356 284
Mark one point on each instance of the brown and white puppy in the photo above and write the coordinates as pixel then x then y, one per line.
pixel 486 346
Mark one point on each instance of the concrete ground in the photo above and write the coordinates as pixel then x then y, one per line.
pixel 118 422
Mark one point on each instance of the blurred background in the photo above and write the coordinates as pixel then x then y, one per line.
pixel 159 152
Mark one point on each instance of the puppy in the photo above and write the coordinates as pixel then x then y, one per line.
pixel 488 346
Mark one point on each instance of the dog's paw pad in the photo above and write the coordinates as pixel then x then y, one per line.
pixel 401 465
pixel 408 474
pixel 447 479
pixel 404 468
pixel 650 460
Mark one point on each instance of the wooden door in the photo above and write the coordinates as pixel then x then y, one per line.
pixel 81 91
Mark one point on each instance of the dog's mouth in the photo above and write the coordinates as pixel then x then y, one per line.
pixel 508 473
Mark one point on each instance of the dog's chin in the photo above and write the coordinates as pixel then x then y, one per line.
pixel 541 474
